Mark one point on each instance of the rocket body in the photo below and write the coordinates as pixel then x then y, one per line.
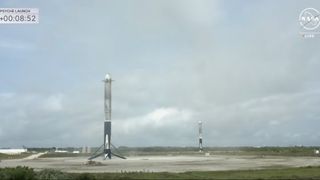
pixel 107 112
pixel 200 136
pixel 106 151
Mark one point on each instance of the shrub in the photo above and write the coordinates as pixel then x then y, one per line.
pixel 52 174
pixel 85 176
pixel 17 173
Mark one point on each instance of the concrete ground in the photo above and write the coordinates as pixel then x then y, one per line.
pixel 34 156
pixel 164 163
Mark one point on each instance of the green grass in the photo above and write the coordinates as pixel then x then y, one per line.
pixel 54 155
pixel 286 173
pixel 15 156
pixel 193 151
pixel 275 151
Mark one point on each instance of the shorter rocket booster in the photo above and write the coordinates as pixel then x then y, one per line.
pixel 200 136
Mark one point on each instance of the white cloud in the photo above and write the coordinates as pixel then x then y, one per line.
pixel 270 119
pixel 199 14
pixel 7 95
pixel 53 103
pixel 175 62
pixel 157 119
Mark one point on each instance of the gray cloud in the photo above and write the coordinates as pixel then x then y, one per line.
pixel 243 69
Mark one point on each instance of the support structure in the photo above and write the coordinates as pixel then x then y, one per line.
pixel 200 136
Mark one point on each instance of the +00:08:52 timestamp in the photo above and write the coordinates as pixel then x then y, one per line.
pixel 18 18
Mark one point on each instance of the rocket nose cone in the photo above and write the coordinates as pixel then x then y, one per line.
pixel 108 77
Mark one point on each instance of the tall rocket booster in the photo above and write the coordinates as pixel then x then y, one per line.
pixel 200 136
pixel 106 152
pixel 107 112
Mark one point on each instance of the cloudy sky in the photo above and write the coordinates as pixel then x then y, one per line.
pixel 240 67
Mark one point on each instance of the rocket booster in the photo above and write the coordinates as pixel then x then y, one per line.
pixel 107 112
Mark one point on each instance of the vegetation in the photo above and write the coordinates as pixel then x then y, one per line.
pixel 25 173
pixel 18 173
pixel 14 156
pixel 53 154
pixel 176 151
pixel 290 173
pixel 51 174
pixel 277 151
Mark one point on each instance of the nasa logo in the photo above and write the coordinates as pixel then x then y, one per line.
pixel 309 19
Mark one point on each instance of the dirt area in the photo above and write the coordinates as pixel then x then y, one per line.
pixel 164 163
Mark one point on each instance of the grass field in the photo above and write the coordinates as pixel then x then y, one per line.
pixel 280 151
pixel 288 173
pixel 154 151
pixel 16 156
pixel 54 155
